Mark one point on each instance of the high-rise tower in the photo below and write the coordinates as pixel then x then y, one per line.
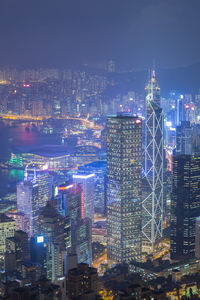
pixel 86 182
pixel 185 205
pixel 124 174
pixel 33 194
pixel 152 204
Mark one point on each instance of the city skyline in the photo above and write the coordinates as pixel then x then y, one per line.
pixel 100 149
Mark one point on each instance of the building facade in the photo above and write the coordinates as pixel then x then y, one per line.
pixel 86 182
pixel 34 193
pixel 7 229
pixel 81 281
pixel 54 230
pixel 99 169
pixel 152 204
pixel 185 205
pixel 69 203
pixel 184 138
pixel 124 171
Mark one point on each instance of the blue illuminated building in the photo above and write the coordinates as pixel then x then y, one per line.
pixel 179 110
pixel 69 202
pixel 99 169
pixel 86 182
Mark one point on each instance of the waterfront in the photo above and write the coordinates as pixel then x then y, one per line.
pixel 18 136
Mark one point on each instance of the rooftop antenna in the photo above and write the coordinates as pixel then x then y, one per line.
pixel 154 69
pixel 149 74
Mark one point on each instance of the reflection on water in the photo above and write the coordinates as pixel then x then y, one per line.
pixel 26 135
pixel 21 135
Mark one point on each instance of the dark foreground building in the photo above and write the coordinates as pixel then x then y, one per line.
pixel 185 205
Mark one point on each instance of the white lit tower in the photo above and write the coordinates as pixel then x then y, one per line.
pixel 123 187
pixel 152 205
pixel 34 193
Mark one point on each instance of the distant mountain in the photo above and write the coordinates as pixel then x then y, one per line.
pixel 183 80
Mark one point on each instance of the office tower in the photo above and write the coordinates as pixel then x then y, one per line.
pixel 103 140
pixel 81 240
pixel 82 280
pixel 74 204
pixel 7 229
pixel 37 173
pixel 27 203
pixel 184 138
pixel 86 182
pixel 99 169
pixel 19 246
pixel 185 205
pixel 81 228
pixel 124 171
pixel 68 201
pixel 152 204
pixel 72 261
pixel 180 117
pixel 33 193
pixel 54 231
pixel 22 221
pixel 197 238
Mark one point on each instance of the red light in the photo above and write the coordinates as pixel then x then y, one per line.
pixel 26 85
pixel 138 121
pixel 62 188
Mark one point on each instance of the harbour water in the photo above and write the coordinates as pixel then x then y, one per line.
pixel 18 136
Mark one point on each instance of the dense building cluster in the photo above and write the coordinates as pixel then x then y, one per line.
pixel 111 208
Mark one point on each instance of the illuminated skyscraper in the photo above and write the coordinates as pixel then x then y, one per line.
pixel 152 204
pixel 99 169
pixel 33 193
pixel 124 173
pixel 26 201
pixel 86 182
pixel 179 110
pixel 69 202
pixel 81 240
pixel 185 205
pixel 7 229
pixel 184 138
pixel 54 230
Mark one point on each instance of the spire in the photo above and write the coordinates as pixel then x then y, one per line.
pixel 152 88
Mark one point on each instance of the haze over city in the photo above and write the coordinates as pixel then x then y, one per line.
pixel 99 149
pixel 59 33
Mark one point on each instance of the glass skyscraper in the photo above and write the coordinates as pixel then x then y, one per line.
pixel 184 138
pixel 124 172
pixel 86 182
pixel 185 205
pixel 69 203
pixel 99 169
pixel 152 204
pixel 33 194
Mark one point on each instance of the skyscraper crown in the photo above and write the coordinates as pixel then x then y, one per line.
pixel 152 89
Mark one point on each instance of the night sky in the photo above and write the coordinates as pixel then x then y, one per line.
pixel 133 32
